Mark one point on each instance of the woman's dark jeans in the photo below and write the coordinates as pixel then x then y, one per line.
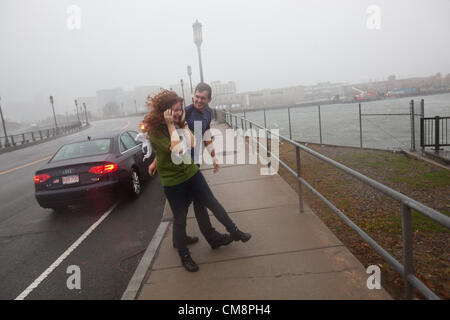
pixel 180 197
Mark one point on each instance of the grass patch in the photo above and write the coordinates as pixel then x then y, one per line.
pixel 427 180
pixel 423 223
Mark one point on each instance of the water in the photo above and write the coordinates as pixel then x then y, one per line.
pixel 340 122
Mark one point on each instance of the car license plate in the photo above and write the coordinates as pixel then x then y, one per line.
pixel 70 179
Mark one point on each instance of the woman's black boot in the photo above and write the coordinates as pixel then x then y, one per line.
pixel 238 235
pixel 188 263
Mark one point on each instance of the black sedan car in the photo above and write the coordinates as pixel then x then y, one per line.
pixel 92 170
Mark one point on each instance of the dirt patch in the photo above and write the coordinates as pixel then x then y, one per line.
pixel 377 214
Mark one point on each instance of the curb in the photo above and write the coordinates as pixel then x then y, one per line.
pixel 142 269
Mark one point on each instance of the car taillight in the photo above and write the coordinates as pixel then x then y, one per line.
pixel 111 167
pixel 39 178
pixel 103 169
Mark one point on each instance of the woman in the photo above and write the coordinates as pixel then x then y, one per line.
pixel 180 177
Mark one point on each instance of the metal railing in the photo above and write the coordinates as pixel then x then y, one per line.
pixel 407 269
pixel 32 136
pixel 316 117
pixel 434 132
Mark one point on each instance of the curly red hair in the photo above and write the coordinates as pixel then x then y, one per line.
pixel 154 121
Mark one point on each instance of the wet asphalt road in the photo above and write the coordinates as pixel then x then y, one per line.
pixel 33 238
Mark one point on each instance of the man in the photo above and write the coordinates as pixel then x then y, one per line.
pixel 200 113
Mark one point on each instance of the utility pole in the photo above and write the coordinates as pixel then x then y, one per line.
pixel 197 27
pixel 85 113
pixel 4 127
pixel 182 90
pixel 189 71
pixel 76 106
pixel 54 115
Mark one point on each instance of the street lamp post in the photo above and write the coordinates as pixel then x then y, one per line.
pixel 54 115
pixel 4 127
pixel 182 90
pixel 135 105
pixel 85 113
pixel 76 106
pixel 189 71
pixel 197 27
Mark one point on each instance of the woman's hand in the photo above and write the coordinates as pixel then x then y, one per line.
pixel 168 116
pixel 152 168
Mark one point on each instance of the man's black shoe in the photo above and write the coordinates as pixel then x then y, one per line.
pixel 238 235
pixel 188 263
pixel 222 240
pixel 189 240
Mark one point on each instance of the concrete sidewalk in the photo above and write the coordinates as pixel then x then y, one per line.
pixel 291 255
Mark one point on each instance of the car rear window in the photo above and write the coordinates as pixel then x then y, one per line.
pixel 82 149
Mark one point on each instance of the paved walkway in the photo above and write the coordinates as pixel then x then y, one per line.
pixel 291 255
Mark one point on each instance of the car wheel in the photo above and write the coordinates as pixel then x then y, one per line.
pixel 135 185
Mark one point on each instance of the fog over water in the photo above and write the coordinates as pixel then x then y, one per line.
pixel 257 44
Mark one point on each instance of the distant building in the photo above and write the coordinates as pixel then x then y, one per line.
pixel 224 93
pixel 273 97
pixel 109 97
pixel 141 93
pixel 325 91
pixel 91 105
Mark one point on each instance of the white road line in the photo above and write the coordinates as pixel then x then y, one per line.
pixel 24 166
pixel 58 261
pixel 138 277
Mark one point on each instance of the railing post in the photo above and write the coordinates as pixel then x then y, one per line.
pixel 12 140
pixel 267 138
pixel 290 129
pixel 23 138
pixel 422 131
pixel 265 122
pixel 408 262
pixel 360 127
pixel 320 126
pixel 40 134
pixel 32 136
pixel 299 174
pixel 436 134
pixel 413 132
pixel 245 117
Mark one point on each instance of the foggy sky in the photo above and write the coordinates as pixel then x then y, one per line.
pixel 258 44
